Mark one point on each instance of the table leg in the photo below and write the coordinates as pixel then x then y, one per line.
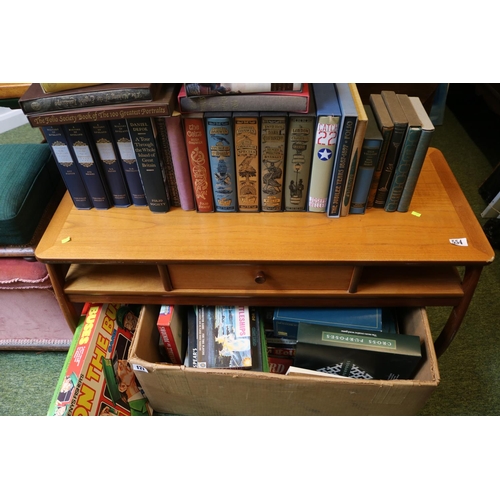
pixel 469 283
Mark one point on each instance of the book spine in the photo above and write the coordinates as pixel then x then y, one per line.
pixel 416 167
pixel 221 153
pixel 325 144
pixel 342 157
pixel 353 167
pixel 103 141
pixel 196 144
pixel 129 163
pixel 168 340
pixel 255 336
pixel 163 145
pixel 214 89
pixel 246 152
pixel 272 161
pixel 85 99
pixel 153 179
pixel 368 161
pixel 300 146
pixel 389 164
pixel 180 161
pixel 246 102
pixel 67 166
pixel 88 165
pixel 386 140
pixel 402 168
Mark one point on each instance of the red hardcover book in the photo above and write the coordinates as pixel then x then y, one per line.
pixel 199 164
pixel 170 325
pixel 180 160
pixel 293 102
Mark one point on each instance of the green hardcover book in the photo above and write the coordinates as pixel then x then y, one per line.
pixel 272 159
pixel 408 149
pixel 300 146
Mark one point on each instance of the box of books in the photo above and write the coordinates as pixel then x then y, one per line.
pixel 185 390
pixel 98 379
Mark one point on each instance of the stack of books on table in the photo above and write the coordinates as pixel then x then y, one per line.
pixel 227 147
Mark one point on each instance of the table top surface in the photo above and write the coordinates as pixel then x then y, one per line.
pixel 433 231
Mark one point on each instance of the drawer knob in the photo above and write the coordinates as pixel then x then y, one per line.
pixel 260 278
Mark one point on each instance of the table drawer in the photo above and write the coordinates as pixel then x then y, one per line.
pixel 260 277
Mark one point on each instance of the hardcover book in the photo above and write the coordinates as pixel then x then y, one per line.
pixel 220 143
pixel 89 167
pixel 347 133
pixel 380 356
pixel 214 89
pixel 400 125
pixel 126 154
pixel 48 88
pixel 192 339
pixel 410 143
pixel 164 105
pixel 36 100
pixel 246 152
pixel 273 128
pixel 224 337
pixel 368 161
pixel 201 177
pixel 170 323
pixel 325 144
pixel 58 142
pixel 103 142
pixel 180 161
pixel 419 157
pixel 256 339
pixel 300 147
pixel 295 102
pixel 386 127
pixel 153 177
pixel 357 145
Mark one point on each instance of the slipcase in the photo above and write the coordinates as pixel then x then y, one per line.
pixel 181 390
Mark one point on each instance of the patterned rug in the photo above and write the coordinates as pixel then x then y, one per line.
pixel 30 318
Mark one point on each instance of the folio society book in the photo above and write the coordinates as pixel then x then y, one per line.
pixel 220 142
pixel 36 100
pixel 402 168
pixel 98 379
pixel 368 161
pixel 325 144
pixel 88 165
pixel 300 146
pixel 347 131
pixel 294 101
pixel 419 157
pixel 374 355
pixel 197 150
pixel 273 128
pixel 65 161
pixel 125 151
pixel 246 152
pixel 164 105
pixel 208 89
pixel 224 337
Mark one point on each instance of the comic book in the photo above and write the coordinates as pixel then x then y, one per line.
pixel 98 379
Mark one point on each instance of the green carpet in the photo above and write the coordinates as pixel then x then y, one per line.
pixel 470 368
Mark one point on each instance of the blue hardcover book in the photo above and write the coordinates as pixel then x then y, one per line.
pixel 348 123
pixel 129 163
pixel 58 142
pixel 420 153
pixel 370 154
pixel 325 144
pixel 222 163
pixel 103 142
pixel 88 165
pixel 286 320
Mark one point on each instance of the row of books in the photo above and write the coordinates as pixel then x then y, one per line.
pixel 338 156
pixel 342 342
